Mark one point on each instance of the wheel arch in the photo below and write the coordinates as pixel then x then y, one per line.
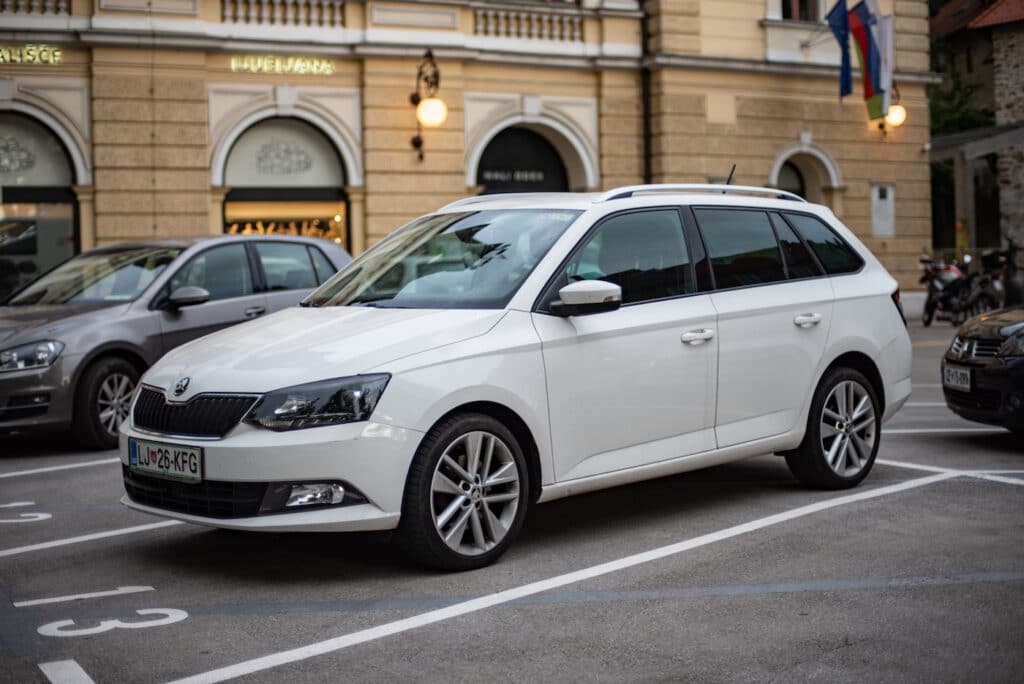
pixel 861 362
pixel 126 352
pixel 514 422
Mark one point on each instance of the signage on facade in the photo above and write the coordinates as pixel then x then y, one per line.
pixel 277 64
pixel 30 54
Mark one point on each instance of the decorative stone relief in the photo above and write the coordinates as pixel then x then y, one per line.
pixel 13 157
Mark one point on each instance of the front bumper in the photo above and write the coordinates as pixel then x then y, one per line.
pixel 37 398
pixel 997 391
pixel 371 457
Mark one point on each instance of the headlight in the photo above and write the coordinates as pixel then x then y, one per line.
pixel 33 355
pixel 1013 346
pixel 328 402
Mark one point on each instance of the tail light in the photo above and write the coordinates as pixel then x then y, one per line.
pixel 899 305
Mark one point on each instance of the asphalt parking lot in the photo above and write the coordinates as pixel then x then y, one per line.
pixel 729 574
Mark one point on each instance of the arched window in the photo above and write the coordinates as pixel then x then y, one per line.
pixel 285 177
pixel 38 214
pixel 520 160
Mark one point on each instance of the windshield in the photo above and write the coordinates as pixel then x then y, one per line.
pixel 109 275
pixel 471 260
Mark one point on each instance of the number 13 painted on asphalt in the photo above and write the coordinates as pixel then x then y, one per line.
pixel 59 628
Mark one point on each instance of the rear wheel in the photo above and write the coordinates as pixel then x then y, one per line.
pixel 466 496
pixel 102 401
pixel 843 431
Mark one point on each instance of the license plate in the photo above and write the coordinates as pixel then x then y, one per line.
pixel 957 378
pixel 166 460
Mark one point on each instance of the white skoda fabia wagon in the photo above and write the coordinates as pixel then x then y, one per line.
pixel 510 350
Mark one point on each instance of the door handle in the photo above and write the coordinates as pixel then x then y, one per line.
pixel 254 311
pixel 695 337
pixel 807 320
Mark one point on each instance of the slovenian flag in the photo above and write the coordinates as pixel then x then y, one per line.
pixel 862 22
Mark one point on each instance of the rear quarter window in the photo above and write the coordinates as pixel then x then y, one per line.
pixel 834 254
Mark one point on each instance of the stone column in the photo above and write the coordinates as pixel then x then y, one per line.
pixel 356 219
pixel 85 195
pixel 217 195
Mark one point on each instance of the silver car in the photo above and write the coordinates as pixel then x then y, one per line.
pixel 74 342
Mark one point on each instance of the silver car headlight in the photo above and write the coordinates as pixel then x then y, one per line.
pixel 32 355
pixel 327 402
pixel 1013 346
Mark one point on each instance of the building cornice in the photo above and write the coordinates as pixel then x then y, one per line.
pixel 662 60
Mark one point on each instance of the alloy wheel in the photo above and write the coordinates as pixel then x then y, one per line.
pixel 474 493
pixel 848 429
pixel 114 400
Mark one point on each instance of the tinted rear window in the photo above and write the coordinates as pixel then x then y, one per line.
pixel 742 247
pixel 834 254
pixel 799 261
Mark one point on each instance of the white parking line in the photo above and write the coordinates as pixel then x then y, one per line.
pixel 36 471
pixel 992 475
pixel 79 597
pixel 942 431
pixel 502 597
pixel 922 404
pixel 18 550
pixel 997 478
pixel 65 672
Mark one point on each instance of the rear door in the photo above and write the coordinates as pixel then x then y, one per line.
pixel 224 271
pixel 289 272
pixel 774 315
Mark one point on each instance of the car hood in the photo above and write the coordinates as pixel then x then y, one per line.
pixel 32 323
pixel 1000 323
pixel 301 345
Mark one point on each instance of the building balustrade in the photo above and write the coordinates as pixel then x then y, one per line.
pixel 309 13
pixel 35 7
pixel 529 25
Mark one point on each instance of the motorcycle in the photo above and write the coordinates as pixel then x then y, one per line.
pixel 953 294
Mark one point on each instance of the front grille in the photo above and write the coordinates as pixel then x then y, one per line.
pixel 209 498
pixel 978 400
pixel 973 348
pixel 209 415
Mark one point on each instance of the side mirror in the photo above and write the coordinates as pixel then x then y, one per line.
pixel 587 297
pixel 188 296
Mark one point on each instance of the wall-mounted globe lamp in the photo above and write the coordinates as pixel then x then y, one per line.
pixel 431 111
pixel 897 114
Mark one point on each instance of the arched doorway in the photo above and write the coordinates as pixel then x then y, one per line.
pixel 38 210
pixel 808 171
pixel 520 160
pixel 285 177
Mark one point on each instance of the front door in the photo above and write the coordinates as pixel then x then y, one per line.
pixel 636 385
pixel 225 273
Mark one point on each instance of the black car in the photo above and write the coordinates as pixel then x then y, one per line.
pixel 983 370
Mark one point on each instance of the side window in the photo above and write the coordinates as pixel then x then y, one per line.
pixel 286 266
pixel 642 252
pixel 799 261
pixel 742 247
pixel 222 271
pixel 324 268
pixel 834 254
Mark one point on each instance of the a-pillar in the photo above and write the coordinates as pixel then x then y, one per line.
pixel 85 195
pixel 356 219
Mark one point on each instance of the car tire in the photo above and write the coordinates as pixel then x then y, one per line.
pixel 843 432
pixel 102 401
pixel 452 519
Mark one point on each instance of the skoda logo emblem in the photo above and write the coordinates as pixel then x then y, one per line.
pixel 182 385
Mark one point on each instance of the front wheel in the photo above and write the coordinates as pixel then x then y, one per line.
pixel 843 431
pixel 466 495
pixel 928 313
pixel 102 401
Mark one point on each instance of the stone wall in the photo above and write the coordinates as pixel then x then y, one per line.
pixel 1008 53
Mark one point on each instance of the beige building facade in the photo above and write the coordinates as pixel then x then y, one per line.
pixel 127 119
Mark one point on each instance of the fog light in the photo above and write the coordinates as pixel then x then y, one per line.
pixel 315 495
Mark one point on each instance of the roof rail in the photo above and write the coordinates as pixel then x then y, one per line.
pixel 630 190
pixel 475 199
